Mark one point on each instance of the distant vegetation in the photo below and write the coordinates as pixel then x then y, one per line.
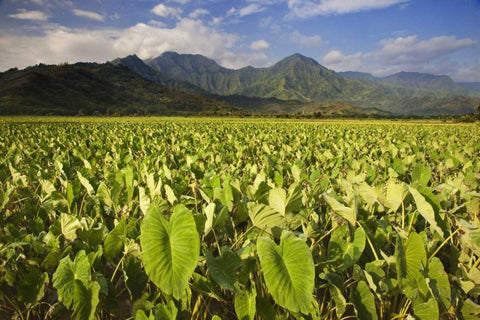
pixel 303 79
pixel 89 89
pixel 174 84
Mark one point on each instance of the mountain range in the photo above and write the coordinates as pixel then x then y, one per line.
pixel 91 88
pixel 175 83
pixel 303 79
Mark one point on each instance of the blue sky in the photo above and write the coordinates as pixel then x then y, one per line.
pixel 377 36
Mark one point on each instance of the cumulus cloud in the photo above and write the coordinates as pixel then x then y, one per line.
pixel 30 15
pixel 409 50
pixel 165 11
pixel 250 9
pixel 59 44
pixel 338 61
pixel 259 45
pixel 198 12
pixel 88 14
pixel 231 11
pixel 306 41
pixel 310 8
pixel 405 54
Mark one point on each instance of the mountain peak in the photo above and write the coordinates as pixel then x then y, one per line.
pixel 299 57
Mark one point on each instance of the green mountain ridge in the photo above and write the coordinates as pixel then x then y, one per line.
pixel 249 104
pixel 303 79
pixel 114 89
pixel 91 88
pixel 415 80
pixel 193 84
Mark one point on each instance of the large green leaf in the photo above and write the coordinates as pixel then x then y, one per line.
pixel 426 310
pixel 288 270
pixel 425 209
pixel 113 244
pixel 222 269
pixel 439 283
pixel 245 304
pixel 69 225
pixel 364 301
pixel 341 210
pixel 344 250
pixel 67 272
pixel 277 199
pixel 411 260
pixel 470 310
pixel 422 174
pixel 84 181
pixel 85 300
pixel 170 249
pixel 395 193
pixel 266 218
pixel 415 254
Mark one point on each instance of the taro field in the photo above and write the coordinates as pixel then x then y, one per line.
pixel 239 219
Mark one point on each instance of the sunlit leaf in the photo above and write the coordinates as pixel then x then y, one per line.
pixel 170 249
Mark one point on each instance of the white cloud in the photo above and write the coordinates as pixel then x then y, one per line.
pixel 199 12
pixel 409 50
pixel 310 8
pixel 165 11
pixel 239 60
pixel 337 61
pixel 259 45
pixel 157 24
pixel 306 41
pixel 29 15
pixel 406 54
pixel 217 20
pixel 231 11
pixel 59 44
pixel 88 14
pixel 250 9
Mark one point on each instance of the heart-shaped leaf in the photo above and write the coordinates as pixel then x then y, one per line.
pixel 288 270
pixel 170 249
pixel 67 272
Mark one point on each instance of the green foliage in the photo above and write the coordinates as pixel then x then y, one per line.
pixel 346 253
pixel 364 302
pixel 85 300
pixel 98 89
pixel 213 219
pixel 67 273
pixel 245 304
pixel 223 268
pixel 298 78
pixel 288 270
pixel 170 249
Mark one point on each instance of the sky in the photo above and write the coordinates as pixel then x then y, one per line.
pixel 381 37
